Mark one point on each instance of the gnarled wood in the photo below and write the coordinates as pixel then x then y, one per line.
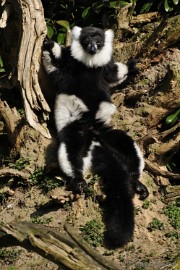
pixel 62 248
pixel 29 31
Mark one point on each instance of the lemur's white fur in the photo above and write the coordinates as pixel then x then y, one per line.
pixel 56 50
pixel 105 112
pixel 68 108
pixel 64 162
pixel 87 161
pixel 141 159
pixel 101 58
pixel 47 62
pixel 122 73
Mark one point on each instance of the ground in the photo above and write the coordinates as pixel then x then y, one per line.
pixel 42 198
pixel 153 247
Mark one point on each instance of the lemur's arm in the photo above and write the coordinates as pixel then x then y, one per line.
pixel 52 53
pixel 115 72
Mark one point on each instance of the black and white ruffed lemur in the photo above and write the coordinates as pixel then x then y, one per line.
pixel 84 74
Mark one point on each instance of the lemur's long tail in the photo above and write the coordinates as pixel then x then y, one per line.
pixel 118 206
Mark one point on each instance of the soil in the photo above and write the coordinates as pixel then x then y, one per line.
pixel 22 201
pixel 148 250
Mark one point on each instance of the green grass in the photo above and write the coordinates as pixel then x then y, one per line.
pixel 91 232
pixel 9 255
pixel 146 204
pixel 19 164
pixel 39 178
pixel 41 220
pixel 172 210
pixel 155 224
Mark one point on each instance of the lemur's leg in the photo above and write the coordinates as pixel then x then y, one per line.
pixel 69 111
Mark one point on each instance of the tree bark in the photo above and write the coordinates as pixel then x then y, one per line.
pixel 22 59
pixel 63 249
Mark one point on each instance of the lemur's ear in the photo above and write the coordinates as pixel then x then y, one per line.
pixel 76 31
pixel 109 35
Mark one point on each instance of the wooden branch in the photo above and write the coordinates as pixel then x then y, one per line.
pixel 13 172
pixel 167 132
pixel 62 249
pixel 171 146
pixel 90 251
pixel 144 18
pixel 7 113
pixel 153 168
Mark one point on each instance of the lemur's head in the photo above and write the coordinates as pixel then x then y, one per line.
pixel 92 46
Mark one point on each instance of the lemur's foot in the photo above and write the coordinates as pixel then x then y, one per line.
pixel 78 186
pixel 142 191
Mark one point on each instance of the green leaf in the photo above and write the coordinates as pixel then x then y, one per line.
pixel 146 7
pixel 173 118
pixel 50 31
pixel 176 2
pixel 61 38
pixel 1 62
pixel 166 6
pixel 113 4
pixel 86 12
pixel 64 23
pixel 2 70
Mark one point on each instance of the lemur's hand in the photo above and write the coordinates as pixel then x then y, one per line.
pixel 48 45
pixel 50 55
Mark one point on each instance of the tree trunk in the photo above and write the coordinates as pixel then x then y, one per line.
pixel 21 54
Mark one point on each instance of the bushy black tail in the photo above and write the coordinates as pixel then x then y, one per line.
pixel 118 206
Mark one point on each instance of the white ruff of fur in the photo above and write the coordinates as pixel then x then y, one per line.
pixel 64 163
pixel 105 112
pixel 87 161
pixel 101 58
pixel 68 108
pixel 141 159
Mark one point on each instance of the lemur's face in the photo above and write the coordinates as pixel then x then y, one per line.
pixel 92 39
pixel 92 46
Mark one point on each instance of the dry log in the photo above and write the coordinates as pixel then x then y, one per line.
pixel 62 249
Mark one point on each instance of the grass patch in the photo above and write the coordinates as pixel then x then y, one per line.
pixel 8 255
pixel 146 204
pixel 39 178
pixel 92 233
pixel 155 224
pixel 19 164
pixel 41 220
pixel 172 210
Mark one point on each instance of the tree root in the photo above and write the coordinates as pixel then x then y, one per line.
pixel 9 172
pixel 60 247
pixel 156 171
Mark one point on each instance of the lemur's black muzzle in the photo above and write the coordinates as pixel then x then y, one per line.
pixel 92 48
